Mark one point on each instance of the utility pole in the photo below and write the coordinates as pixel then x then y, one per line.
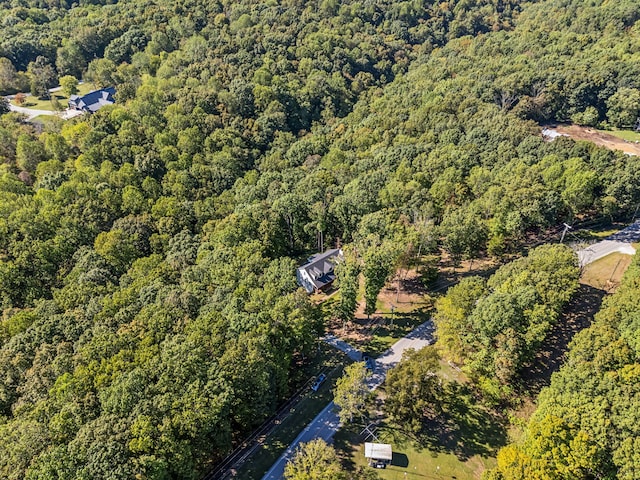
pixel 564 232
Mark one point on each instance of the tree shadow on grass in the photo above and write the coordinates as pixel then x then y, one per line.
pixel 465 427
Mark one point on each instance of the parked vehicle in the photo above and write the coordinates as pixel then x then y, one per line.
pixel 319 381
pixel 368 362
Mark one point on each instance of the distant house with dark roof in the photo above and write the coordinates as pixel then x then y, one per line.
pixel 93 101
pixel 318 273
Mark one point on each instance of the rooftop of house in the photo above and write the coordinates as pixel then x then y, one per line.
pixel 95 100
pixel 319 267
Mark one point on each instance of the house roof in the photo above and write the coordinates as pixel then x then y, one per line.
pixel 378 451
pixel 319 267
pixel 95 100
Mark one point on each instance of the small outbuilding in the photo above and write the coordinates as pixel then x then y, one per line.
pixel 379 455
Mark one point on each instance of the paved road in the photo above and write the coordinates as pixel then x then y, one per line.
pixel 618 242
pixel 326 424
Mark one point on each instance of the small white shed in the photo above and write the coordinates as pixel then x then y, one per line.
pixel 378 454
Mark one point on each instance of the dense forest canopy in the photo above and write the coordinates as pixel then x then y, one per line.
pixel 147 252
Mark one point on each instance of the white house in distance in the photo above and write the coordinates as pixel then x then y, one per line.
pixel 318 273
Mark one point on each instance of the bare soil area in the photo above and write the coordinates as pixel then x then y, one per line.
pixel 599 138
pixel 606 273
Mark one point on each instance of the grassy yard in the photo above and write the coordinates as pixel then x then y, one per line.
pixel 606 273
pixel 628 135
pixel 38 104
pixel 331 361
pixel 51 122
pixel 460 444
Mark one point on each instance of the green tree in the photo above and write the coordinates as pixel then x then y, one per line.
pixel 101 72
pixel 551 449
pixel 378 266
pixel 70 59
pixel 624 107
pixel 314 461
pixel 42 76
pixel 414 388
pixel 451 316
pixel 348 275
pixel 69 85
pixel 8 76
pixel 351 392
pixel 29 153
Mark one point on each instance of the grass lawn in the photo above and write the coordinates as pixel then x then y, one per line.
pixel 331 361
pixel 38 104
pixel 628 135
pixel 416 462
pixel 460 444
pixel 50 122
pixel 606 272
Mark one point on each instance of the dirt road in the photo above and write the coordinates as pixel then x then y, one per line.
pixel 599 138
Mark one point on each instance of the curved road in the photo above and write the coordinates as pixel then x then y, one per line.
pixel 326 424
pixel 618 242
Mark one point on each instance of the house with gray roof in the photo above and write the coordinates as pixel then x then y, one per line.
pixel 317 273
pixel 93 101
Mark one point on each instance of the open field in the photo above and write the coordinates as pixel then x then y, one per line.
pixel 38 104
pixel 459 444
pixel 612 140
pixel 628 135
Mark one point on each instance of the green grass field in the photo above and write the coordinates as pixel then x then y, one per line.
pixel 305 411
pixel 628 135
pixel 38 104
pixel 606 272
pixel 414 461
pixel 460 444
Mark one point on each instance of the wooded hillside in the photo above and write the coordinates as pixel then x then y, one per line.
pixel 147 252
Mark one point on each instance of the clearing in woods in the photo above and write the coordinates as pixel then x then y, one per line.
pixel 606 273
pixel 599 137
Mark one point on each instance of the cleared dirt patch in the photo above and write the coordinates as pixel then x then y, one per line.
pixel 606 273
pixel 599 138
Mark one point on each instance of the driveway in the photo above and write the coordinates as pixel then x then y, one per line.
pixel 618 242
pixel 30 112
pixel 353 353
pixel 326 424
